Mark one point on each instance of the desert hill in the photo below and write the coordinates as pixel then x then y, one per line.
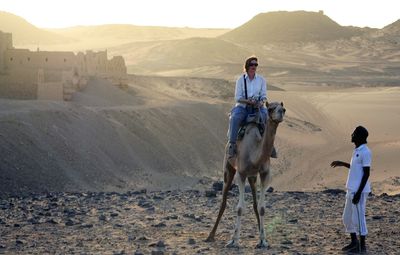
pixel 109 36
pixel 169 133
pixel 393 28
pixel 108 139
pixel 122 33
pixel 180 54
pixel 282 26
pixel 25 33
pixel 309 49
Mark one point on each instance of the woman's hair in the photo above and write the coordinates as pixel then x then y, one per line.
pixel 248 61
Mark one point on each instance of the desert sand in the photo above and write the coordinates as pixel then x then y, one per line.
pixel 178 222
pixel 131 170
pixel 170 133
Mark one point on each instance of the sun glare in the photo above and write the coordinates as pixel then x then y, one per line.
pixel 181 13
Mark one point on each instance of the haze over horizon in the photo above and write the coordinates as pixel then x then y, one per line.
pixel 204 14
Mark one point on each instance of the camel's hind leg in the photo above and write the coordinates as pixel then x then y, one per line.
pixel 229 173
pixel 239 210
pixel 264 179
pixel 252 182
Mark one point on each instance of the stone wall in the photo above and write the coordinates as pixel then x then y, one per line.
pixel 5 43
pixel 50 70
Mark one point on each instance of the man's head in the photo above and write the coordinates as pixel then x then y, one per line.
pixel 359 135
pixel 251 64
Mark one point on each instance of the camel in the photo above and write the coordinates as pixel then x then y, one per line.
pixel 253 158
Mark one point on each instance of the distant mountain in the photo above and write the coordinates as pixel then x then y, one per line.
pixel 393 28
pixel 287 27
pixel 187 53
pixel 25 33
pixel 131 33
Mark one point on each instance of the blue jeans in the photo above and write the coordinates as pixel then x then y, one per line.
pixel 238 118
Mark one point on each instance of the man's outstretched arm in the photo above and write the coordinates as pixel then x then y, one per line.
pixel 340 163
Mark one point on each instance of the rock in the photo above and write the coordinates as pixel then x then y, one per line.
pixel 234 188
pixel 33 221
pixel 102 218
pixel 270 190
pixel 218 185
pixel 143 238
pixel 160 244
pixel 286 242
pixel 191 241
pixel 151 209
pixel 156 197
pixel 144 203
pixel 69 212
pixel 52 221
pixel 159 225
pixel 86 225
pixel 172 217
pixel 69 223
pixel 211 193
pixel 334 192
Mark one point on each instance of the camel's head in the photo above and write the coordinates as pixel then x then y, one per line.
pixel 276 111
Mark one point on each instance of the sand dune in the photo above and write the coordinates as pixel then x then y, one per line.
pixel 170 132
pixel 106 139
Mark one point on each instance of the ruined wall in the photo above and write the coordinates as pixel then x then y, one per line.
pixel 5 43
pixel 116 66
pixel 52 73
pixel 22 59
pixel 116 71
pixel 96 63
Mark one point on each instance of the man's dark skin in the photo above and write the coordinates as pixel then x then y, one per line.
pixel 358 138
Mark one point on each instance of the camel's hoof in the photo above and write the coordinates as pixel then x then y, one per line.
pixel 262 244
pixel 210 239
pixel 232 244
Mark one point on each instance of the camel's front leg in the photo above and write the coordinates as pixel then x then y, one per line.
pixel 264 176
pixel 252 182
pixel 239 210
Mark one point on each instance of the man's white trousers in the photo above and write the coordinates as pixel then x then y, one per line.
pixel 354 215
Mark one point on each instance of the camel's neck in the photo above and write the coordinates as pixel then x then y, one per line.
pixel 267 143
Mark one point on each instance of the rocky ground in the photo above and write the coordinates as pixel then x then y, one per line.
pixel 178 222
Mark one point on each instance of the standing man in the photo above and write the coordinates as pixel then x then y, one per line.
pixel 358 188
pixel 250 93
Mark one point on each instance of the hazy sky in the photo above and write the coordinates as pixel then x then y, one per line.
pixel 190 13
